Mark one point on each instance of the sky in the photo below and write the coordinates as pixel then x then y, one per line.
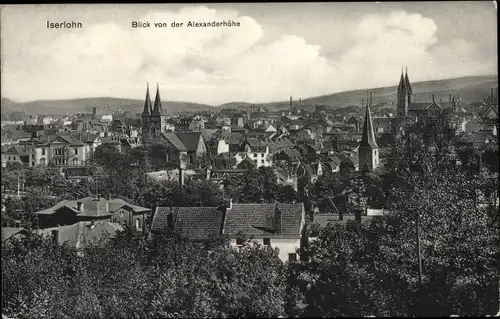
pixel 279 50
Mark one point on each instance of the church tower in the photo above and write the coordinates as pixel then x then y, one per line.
pixel 158 118
pixel 368 148
pixel 409 92
pixel 405 95
pixel 146 118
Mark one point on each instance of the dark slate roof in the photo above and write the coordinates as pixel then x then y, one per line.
pixel 85 137
pixel 16 150
pixel 189 139
pixel 160 218
pixel 81 234
pixel 198 223
pixel 92 207
pixel 175 141
pixel 292 153
pixel 251 219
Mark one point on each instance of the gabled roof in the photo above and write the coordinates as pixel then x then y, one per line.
pixel 92 207
pixel 82 233
pixel 246 161
pixel 15 150
pixel 49 140
pixel 175 141
pixel 292 153
pixel 195 223
pixel 251 219
pixel 189 139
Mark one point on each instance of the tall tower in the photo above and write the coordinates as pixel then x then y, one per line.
pixel 146 118
pixel 402 106
pixel 368 148
pixel 409 93
pixel 158 118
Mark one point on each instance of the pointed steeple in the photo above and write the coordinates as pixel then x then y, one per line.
pixel 158 110
pixel 402 83
pixel 147 103
pixel 368 137
pixel 407 82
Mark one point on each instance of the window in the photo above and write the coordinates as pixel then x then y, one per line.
pixel 43 151
pixel 137 224
pixel 261 154
pixel 254 154
pixel 292 257
pixel 76 151
pixel 267 241
pixel 9 158
pixel 255 161
pixel 262 161
pixel 239 241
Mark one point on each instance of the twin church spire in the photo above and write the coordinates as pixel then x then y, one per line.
pixel 404 84
pixel 148 106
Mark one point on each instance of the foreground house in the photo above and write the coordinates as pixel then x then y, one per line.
pixel 277 225
pixel 69 212
pixel 82 234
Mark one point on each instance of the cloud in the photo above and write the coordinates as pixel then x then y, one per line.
pixel 218 65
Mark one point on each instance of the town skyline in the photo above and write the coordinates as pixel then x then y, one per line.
pixel 283 52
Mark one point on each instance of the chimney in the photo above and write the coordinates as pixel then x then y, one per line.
pixel 357 214
pixel 433 98
pixel 450 98
pixel 55 236
pixel 371 98
pixel 362 102
pixel 230 204
pixel 341 215
pixel 491 95
pixel 79 206
pixel 277 220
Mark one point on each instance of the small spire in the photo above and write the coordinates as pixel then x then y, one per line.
pixel 433 98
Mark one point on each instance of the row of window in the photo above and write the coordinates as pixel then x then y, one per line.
pixel 257 155
pixel 257 161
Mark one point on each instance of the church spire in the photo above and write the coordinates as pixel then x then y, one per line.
pixel 158 110
pixel 147 102
pixel 368 137
pixel 402 83
pixel 407 83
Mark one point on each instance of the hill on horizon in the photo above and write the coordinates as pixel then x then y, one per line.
pixel 470 88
